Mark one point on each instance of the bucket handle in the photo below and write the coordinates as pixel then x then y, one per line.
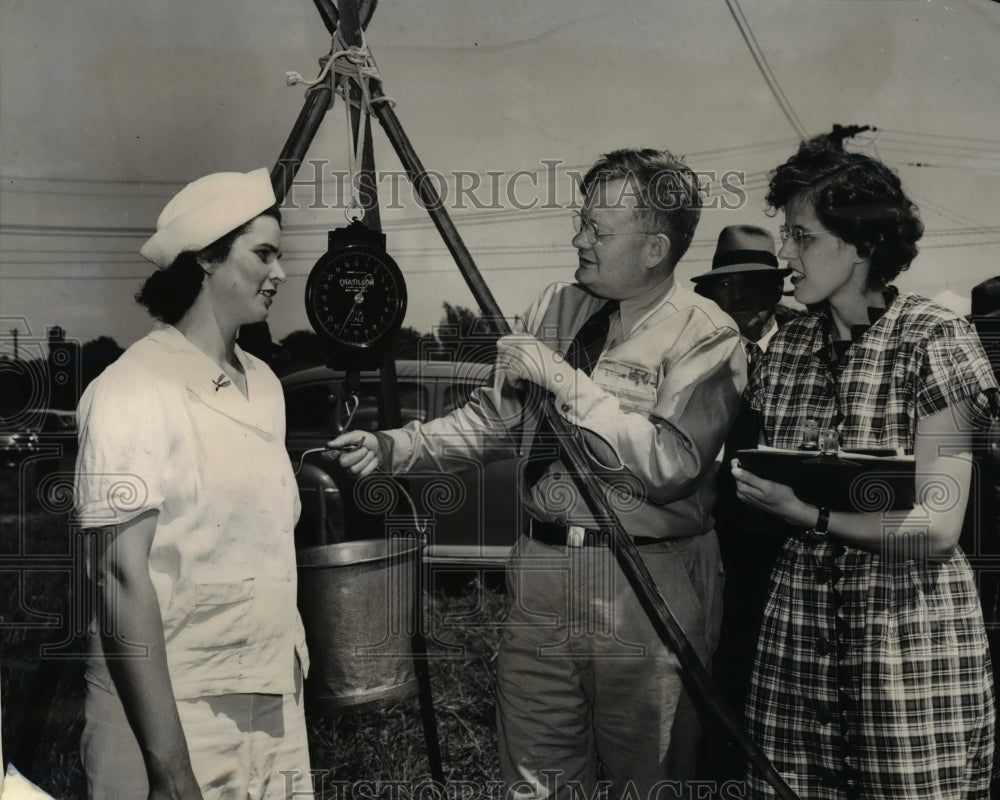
pixel 352 402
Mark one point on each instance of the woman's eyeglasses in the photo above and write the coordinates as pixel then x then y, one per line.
pixel 799 235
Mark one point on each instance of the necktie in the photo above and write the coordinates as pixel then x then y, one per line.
pixel 582 354
pixel 753 356
pixel 746 429
pixel 589 341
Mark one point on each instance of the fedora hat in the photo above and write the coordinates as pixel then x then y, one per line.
pixel 744 248
pixel 986 298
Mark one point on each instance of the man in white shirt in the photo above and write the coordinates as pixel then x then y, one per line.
pixel 650 374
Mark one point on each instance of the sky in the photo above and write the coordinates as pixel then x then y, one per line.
pixel 108 107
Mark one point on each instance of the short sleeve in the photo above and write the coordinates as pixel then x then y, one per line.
pixel 124 448
pixel 953 369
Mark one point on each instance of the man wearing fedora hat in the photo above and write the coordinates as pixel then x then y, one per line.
pixel 746 282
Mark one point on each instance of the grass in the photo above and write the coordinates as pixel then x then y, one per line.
pixel 376 752
pixel 385 747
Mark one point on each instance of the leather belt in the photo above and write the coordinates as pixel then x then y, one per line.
pixel 574 536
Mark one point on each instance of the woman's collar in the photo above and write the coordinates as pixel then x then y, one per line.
pixel 875 313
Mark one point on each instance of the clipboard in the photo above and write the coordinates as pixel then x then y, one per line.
pixel 846 481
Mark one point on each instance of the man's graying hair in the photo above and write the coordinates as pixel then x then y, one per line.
pixel 666 191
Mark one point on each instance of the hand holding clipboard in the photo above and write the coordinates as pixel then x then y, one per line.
pixel 844 481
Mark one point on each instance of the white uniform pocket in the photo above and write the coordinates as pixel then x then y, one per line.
pixel 221 615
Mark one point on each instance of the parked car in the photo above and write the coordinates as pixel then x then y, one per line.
pixel 37 450
pixel 16 445
pixel 472 516
pixel 50 429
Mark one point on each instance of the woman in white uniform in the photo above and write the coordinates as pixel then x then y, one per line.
pixel 194 687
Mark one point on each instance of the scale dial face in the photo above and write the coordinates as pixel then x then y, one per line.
pixel 356 299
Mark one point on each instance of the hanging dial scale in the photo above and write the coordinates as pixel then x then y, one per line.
pixel 356 295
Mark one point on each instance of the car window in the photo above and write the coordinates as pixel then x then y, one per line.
pixel 308 407
pixel 413 402
pixel 58 422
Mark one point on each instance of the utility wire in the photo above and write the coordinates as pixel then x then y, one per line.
pixel 931 165
pixel 765 69
pixel 931 240
pixel 81 257
pixel 164 188
pixel 967 156
pixel 939 136
pixel 943 211
pixel 8 183
pixel 938 149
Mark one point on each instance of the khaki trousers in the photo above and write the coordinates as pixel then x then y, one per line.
pixel 587 691
pixel 242 747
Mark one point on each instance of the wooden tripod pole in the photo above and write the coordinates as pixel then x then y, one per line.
pixel 319 100
pixel 571 448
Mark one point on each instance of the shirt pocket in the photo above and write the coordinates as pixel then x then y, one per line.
pixel 221 616
pixel 634 385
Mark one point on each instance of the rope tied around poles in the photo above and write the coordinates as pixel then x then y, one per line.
pixel 349 62
pixel 342 65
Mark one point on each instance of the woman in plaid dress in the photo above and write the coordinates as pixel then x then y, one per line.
pixel 872 677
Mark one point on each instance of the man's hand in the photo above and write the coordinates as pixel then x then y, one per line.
pixel 525 358
pixel 357 452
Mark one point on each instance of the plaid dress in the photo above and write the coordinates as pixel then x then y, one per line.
pixel 872 677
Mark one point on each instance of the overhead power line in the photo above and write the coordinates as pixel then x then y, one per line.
pixel 42 254
pixel 940 136
pixel 100 181
pixel 944 211
pixel 102 187
pixel 938 149
pixel 765 70
pixel 931 165
pixel 88 231
pixel 27 257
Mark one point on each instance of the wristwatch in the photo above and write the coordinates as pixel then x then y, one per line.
pixel 822 521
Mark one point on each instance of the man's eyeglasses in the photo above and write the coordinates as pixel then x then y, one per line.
pixel 799 235
pixel 586 226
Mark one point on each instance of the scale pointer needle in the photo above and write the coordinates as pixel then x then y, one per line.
pixel 359 298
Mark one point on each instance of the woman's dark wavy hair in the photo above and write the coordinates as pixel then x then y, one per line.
pixel 855 197
pixel 169 293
